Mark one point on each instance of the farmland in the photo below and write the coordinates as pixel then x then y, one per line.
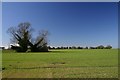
pixel 85 63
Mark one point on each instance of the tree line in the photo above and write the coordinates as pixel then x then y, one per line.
pixel 22 35
pixel 74 47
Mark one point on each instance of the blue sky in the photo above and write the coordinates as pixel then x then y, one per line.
pixel 60 0
pixel 69 23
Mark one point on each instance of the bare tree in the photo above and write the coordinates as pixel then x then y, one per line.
pixel 21 35
pixel 40 43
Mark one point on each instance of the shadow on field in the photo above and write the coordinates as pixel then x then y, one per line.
pixel 53 65
pixel 58 66
pixel 58 51
pixel 37 67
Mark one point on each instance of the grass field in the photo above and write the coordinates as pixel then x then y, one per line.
pixel 100 63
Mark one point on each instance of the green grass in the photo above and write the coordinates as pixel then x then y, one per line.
pixel 100 63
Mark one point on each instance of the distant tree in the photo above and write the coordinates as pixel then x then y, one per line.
pixel 73 47
pixel 53 48
pixel 108 47
pixel 49 47
pixel 79 47
pixel 62 47
pixel 70 47
pixel 86 47
pixel 65 47
pixel 58 48
pixel 100 47
pixel 92 47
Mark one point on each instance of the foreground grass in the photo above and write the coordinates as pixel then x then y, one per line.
pixel 61 64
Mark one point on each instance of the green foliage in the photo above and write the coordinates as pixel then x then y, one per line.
pixel 108 47
pixel 100 47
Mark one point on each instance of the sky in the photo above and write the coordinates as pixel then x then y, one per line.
pixel 60 0
pixel 69 23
